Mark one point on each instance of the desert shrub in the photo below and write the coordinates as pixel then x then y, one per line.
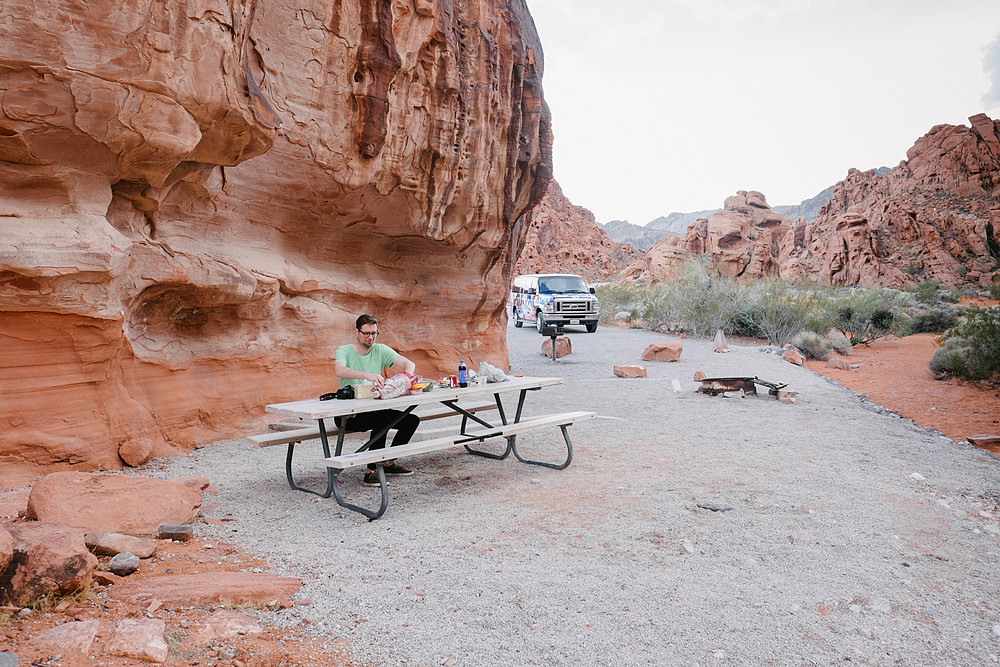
pixel 699 301
pixel 821 312
pixel 839 343
pixel 745 323
pixel 936 319
pixel 660 310
pixel 972 347
pixel 780 311
pixel 620 298
pixel 928 292
pixel 995 292
pixel 813 345
pixel 865 315
pixel 949 359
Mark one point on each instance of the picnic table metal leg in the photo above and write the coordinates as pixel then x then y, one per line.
pixel 330 477
pixel 503 420
pixel 556 466
pixel 511 439
pixel 371 514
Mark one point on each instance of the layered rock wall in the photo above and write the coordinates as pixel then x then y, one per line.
pixel 565 238
pixel 934 217
pixel 198 198
pixel 745 240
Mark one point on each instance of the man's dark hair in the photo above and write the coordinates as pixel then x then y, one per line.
pixel 365 319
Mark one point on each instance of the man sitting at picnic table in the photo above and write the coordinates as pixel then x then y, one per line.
pixel 364 359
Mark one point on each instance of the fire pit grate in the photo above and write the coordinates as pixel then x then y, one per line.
pixel 748 385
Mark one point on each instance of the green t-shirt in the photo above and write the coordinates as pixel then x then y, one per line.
pixel 378 357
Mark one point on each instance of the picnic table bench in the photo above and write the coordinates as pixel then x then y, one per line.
pixel 464 402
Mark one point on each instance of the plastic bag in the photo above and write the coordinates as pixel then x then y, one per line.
pixel 397 385
pixel 492 373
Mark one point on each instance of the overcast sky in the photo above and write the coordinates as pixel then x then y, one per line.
pixel 673 105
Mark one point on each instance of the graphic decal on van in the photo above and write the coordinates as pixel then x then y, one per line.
pixel 559 299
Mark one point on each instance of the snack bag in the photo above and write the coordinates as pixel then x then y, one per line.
pixel 492 373
pixel 397 385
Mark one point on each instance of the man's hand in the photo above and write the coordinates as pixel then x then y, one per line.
pixel 376 380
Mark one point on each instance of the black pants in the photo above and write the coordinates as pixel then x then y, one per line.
pixel 376 421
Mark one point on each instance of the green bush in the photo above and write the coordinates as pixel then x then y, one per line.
pixel 865 315
pixel 936 319
pixel 949 359
pixel 821 312
pixel 773 310
pixel 928 292
pixel 813 345
pixel 971 348
pixel 620 298
pixel 745 323
pixel 839 343
pixel 699 302
pixel 995 292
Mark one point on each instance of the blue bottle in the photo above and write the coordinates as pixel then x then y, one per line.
pixel 463 376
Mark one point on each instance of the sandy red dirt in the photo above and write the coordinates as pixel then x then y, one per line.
pixel 894 373
pixel 274 647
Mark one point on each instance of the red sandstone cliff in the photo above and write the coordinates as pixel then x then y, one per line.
pixel 564 238
pixel 745 240
pixel 196 201
pixel 934 217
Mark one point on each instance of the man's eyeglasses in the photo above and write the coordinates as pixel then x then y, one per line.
pixel 368 334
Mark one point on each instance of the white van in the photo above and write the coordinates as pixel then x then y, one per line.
pixel 553 298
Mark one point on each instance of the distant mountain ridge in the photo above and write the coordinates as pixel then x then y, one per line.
pixel 643 236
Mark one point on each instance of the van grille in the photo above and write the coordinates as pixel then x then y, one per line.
pixel 573 306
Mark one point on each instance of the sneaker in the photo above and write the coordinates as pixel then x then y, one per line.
pixel 371 478
pixel 396 470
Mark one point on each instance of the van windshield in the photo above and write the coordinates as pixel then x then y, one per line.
pixel 554 284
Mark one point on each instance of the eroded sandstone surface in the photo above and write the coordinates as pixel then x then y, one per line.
pixel 198 198
pixel 934 217
pixel 565 238
pixel 745 239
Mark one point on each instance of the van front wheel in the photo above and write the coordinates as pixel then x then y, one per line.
pixel 591 328
pixel 539 321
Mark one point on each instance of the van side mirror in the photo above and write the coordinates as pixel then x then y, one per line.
pixel 531 290
pixel 592 290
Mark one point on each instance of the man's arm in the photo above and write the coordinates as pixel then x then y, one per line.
pixel 343 371
pixel 407 365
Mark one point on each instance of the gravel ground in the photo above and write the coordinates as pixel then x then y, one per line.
pixel 841 532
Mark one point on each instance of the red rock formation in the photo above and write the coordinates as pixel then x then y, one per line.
pixel 249 589
pixel 114 503
pixel 564 238
pixel 935 217
pixel 49 559
pixel 745 240
pixel 197 201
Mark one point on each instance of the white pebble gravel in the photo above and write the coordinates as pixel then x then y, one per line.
pixel 829 553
